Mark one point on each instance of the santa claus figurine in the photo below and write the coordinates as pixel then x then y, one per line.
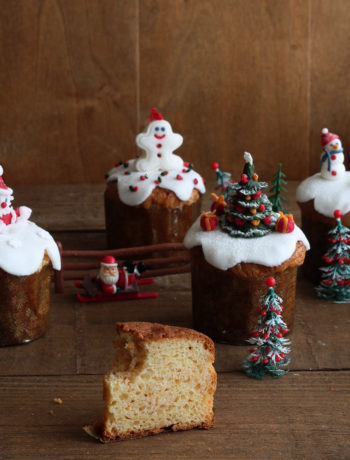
pixel 113 280
pixel 8 215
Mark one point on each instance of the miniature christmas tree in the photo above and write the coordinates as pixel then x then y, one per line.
pixel 248 212
pixel 335 283
pixel 277 188
pixel 223 179
pixel 271 348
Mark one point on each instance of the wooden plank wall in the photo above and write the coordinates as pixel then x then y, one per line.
pixel 78 79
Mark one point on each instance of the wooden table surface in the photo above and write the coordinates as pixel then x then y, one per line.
pixel 303 415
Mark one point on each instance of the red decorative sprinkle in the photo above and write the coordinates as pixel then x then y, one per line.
pixel 267 220
pixel 159 155
pixel 334 173
pixel 270 281
pixel 186 164
pixel 337 213
pixel 254 358
pixel 159 146
pixel 195 181
pixel 215 165
pixel 266 335
pixel 157 182
pixel 3 204
pixel 136 188
pixel 178 177
pixel 333 157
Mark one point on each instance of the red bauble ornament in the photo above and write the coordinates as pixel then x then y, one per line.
pixel 278 359
pixel 244 178
pixel 3 204
pixel 265 360
pixel 270 281
pixel 268 349
pixel 215 165
pixel 261 207
pixel 285 223
pixel 266 335
pixel 255 334
pixel 195 181
pixel 256 196
pixel 263 312
pixel 239 222
pixel 267 220
pixel 208 221
pixel 279 335
pixel 337 213
pixel 255 176
pixel 240 208
pixel 254 358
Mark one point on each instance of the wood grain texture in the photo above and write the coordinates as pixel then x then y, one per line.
pixel 294 419
pixel 69 105
pixel 329 70
pixel 230 78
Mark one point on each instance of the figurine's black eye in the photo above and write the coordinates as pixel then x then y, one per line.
pixel 157 129
pixel 163 129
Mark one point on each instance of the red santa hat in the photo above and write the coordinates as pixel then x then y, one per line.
pixel 109 261
pixel 327 137
pixel 4 189
pixel 154 115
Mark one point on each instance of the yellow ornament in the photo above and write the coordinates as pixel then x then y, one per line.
pixel 255 222
pixel 253 211
pixel 248 197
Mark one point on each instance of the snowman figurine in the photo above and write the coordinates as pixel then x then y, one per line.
pixel 8 215
pixel 332 157
pixel 159 142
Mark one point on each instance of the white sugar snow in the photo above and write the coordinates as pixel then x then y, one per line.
pixel 327 195
pixel 22 248
pixel 223 251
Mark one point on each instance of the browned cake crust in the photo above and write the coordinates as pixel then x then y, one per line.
pixel 233 316
pixel 150 332
pixel 24 304
pixel 161 218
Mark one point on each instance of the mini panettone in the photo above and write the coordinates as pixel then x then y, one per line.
pixel 318 197
pixel 27 255
pixel 162 379
pixel 155 198
pixel 231 260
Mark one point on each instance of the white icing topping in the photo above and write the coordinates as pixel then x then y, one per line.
pixel 22 248
pixel 327 195
pixel 223 252
pixel 159 141
pixel 182 188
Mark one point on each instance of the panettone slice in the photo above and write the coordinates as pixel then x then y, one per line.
pixel 162 379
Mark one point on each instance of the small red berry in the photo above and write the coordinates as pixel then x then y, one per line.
pixel 337 213
pixel 186 164
pixel 270 281
pixel 267 220
pixel 244 178
pixel 157 182
pixel 195 181
pixel 3 204
pixel 334 173
pixel 142 177
pixel 215 165
pixel 178 177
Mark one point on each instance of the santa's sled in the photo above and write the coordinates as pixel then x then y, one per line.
pixel 93 292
